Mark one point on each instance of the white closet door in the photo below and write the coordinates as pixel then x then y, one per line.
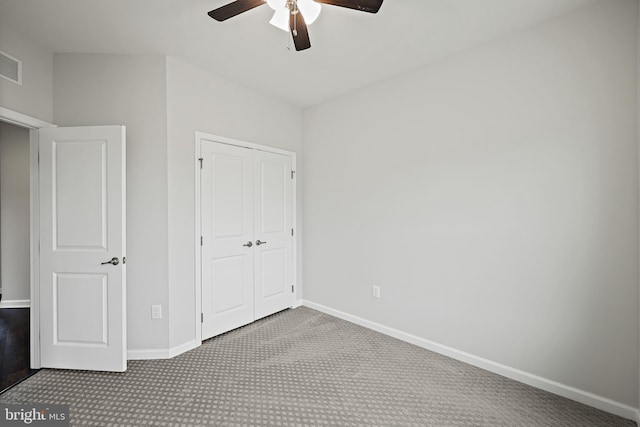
pixel 227 228
pixel 247 242
pixel 272 233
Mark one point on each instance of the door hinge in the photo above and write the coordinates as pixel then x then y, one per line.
pixel 201 317
pixel 201 241
pixel 200 160
pixel 292 288
pixel 292 231
pixel 292 173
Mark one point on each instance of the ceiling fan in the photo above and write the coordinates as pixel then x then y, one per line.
pixel 289 14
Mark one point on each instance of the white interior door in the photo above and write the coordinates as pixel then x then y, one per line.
pixel 82 248
pixel 227 232
pixel 272 233
pixel 247 242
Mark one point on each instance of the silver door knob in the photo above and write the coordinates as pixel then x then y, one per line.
pixel 112 261
pixel 258 243
pixel 248 244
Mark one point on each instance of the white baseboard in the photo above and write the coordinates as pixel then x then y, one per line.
pixel 183 348
pixel 563 390
pixel 165 353
pixel 148 354
pixel 297 303
pixel 16 303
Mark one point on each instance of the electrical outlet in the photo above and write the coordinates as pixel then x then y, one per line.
pixel 156 312
pixel 376 291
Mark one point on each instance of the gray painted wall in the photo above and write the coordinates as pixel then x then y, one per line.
pixel 163 101
pixel 14 213
pixel 129 90
pixel 494 198
pixel 34 97
pixel 200 101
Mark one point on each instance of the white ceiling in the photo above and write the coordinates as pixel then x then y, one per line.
pixel 350 49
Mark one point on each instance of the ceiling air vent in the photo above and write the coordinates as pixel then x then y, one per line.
pixel 10 68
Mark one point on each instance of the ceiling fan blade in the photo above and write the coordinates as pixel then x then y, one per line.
pixel 371 6
pixel 299 31
pixel 232 9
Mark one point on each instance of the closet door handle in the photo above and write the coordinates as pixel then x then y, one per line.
pixel 248 244
pixel 258 243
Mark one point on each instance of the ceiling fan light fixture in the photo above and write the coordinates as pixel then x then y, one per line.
pixel 310 10
pixel 298 13
pixel 280 19
pixel 276 4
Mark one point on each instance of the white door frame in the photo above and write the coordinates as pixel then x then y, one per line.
pixel 33 124
pixel 198 226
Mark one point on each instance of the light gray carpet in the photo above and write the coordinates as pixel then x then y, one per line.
pixel 302 367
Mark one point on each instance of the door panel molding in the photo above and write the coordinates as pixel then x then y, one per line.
pixel 198 232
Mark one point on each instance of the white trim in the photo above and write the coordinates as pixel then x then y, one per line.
pixel 22 120
pixel 154 354
pixel 200 136
pixel 637 419
pixel 239 143
pixel 147 354
pixel 16 303
pixel 34 235
pixel 198 230
pixel 297 303
pixel 569 392
pixel 294 225
pixel 183 348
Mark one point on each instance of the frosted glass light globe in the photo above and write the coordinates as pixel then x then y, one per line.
pixel 310 10
pixel 280 19
pixel 276 4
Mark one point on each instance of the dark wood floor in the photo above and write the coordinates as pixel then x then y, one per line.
pixel 14 346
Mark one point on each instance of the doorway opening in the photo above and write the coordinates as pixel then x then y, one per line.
pixel 31 125
pixel 83 148
pixel 14 255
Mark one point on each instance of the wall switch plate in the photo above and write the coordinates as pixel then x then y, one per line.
pixel 376 291
pixel 156 312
